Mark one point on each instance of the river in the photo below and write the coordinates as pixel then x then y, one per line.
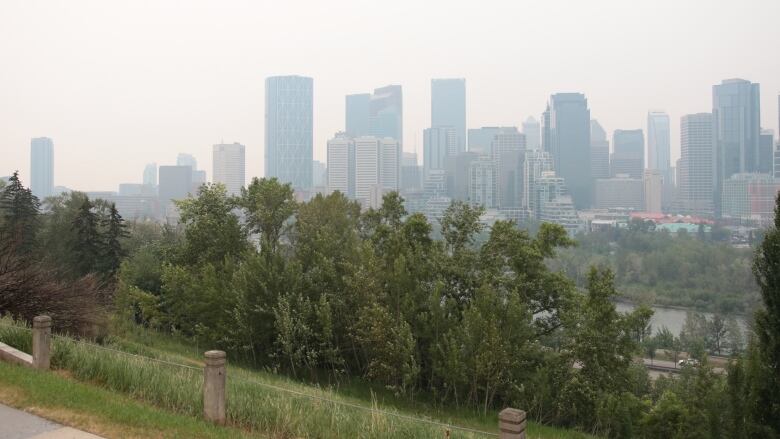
pixel 672 318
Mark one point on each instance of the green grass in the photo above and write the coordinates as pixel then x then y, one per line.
pixel 252 405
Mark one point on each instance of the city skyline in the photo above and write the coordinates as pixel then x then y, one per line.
pixel 138 104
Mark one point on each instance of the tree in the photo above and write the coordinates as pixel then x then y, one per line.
pixel 268 204
pixel 19 210
pixel 87 239
pixel 717 331
pixel 766 268
pixel 111 246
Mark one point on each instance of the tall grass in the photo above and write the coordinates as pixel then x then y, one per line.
pixel 250 405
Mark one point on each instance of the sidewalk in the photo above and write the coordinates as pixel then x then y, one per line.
pixel 16 424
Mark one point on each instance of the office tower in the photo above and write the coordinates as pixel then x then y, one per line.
pixel 599 151
pixel 620 192
pixel 482 182
pixel 42 167
pixel 150 175
pixel 749 198
pixel 736 122
pixel 480 140
pixel 628 156
pixel 367 158
pixel 175 184
pixel 319 174
pixel 438 144
pixel 389 164
pixel 697 179
pixel 777 161
pixel 766 146
pixel 535 164
pixel 341 165
pixel 457 175
pixel 435 185
pixel 229 163
pixel 566 136
pixel 533 136
pixel 288 130
pixel 658 142
pixel 356 117
pixel 411 172
pixel 508 149
pixel 448 107
pixel 184 159
pixel 385 117
pixel 654 185
pixel 555 204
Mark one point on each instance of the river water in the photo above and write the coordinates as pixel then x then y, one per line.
pixel 672 318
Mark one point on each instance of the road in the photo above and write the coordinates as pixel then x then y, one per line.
pixel 16 424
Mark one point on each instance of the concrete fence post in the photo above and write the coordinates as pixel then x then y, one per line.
pixel 511 424
pixel 41 342
pixel 214 378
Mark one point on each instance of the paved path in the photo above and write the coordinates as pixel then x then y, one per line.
pixel 16 424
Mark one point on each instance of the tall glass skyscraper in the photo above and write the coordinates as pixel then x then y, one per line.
pixel 697 183
pixel 42 167
pixel 356 117
pixel 566 136
pixel 599 151
pixel 289 130
pixel 658 142
pixel 629 153
pixel 448 107
pixel 228 164
pixel 737 124
pixel 385 115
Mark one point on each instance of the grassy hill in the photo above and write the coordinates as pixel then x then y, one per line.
pixel 139 382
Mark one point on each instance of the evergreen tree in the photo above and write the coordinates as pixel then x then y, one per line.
pixel 19 210
pixel 112 251
pixel 766 267
pixel 87 242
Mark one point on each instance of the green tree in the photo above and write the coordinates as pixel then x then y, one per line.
pixel 19 212
pixel 87 240
pixel 766 268
pixel 112 252
pixel 267 204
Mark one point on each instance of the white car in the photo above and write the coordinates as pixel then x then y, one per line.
pixel 688 362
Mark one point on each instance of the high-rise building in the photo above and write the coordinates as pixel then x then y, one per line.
pixel 555 204
pixel 438 144
pixel 175 184
pixel 411 172
pixel 697 164
pixel 289 130
pixel 184 159
pixel 389 164
pixel 628 156
pixel 653 182
pixel 319 171
pixel 385 117
pixel 620 192
pixel 458 175
pixel 658 142
pixel 341 165
pixel 357 111
pixel 448 107
pixel 150 175
pixel 750 198
pixel 599 151
pixel 736 122
pixel 766 146
pixel 508 149
pixel 533 135
pixel 367 157
pixel 229 164
pixel 42 167
pixel 482 182
pixel 536 164
pixel 566 136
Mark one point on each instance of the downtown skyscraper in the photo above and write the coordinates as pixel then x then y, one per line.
pixel 697 182
pixel 628 156
pixel 566 136
pixel 448 107
pixel 229 165
pixel 658 142
pixel 385 113
pixel 42 167
pixel 736 119
pixel 289 130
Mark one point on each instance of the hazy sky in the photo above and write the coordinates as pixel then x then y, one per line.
pixel 118 84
